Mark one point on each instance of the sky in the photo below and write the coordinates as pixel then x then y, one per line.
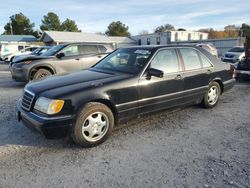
pixel 95 15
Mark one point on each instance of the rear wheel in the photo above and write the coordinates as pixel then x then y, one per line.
pixel 212 95
pixel 94 125
pixel 41 73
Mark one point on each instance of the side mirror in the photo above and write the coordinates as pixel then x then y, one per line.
pixel 155 72
pixel 60 55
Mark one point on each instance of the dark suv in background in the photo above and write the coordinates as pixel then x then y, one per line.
pixel 59 59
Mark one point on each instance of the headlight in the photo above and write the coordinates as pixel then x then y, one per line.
pixel 27 62
pixel 49 106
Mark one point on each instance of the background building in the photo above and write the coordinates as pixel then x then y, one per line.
pixel 59 37
pixel 17 38
pixel 165 38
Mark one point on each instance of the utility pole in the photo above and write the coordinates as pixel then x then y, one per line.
pixel 11 30
pixel 241 36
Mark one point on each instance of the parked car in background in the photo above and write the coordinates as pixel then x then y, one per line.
pixel 59 59
pixel 210 48
pixel 40 50
pixel 9 48
pixel 128 83
pixel 37 52
pixel 11 56
pixel 234 55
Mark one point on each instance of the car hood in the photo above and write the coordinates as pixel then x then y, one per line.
pixel 30 58
pixel 60 85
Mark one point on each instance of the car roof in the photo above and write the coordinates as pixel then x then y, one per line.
pixel 155 47
pixel 87 43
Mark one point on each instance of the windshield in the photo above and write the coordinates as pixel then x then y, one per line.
pixel 36 51
pixel 237 49
pixel 53 50
pixel 127 60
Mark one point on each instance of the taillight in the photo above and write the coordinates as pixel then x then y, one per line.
pixel 233 71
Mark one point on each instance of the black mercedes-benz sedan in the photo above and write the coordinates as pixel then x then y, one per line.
pixel 127 83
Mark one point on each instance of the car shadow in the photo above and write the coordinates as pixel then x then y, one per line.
pixel 18 135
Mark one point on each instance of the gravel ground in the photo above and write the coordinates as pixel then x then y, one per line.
pixel 190 147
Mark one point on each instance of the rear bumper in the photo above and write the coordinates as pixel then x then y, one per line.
pixel 243 72
pixel 50 127
pixel 229 84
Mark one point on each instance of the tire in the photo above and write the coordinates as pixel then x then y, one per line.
pixel 41 73
pixel 89 134
pixel 212 95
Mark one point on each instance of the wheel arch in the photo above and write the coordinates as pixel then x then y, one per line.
pixel 111 106
pixel 36 68
pixel 219 81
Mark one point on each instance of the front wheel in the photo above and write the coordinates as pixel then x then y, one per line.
pixel 94 125
pixel 212 95
pixel 41 73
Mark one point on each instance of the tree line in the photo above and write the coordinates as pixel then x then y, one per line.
pixel 229 31
pixel 20 24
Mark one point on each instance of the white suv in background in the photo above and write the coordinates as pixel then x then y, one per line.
pixel 210 48
pixel 234 55
pixel 25 51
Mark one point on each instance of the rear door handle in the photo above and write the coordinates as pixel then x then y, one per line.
pixel 178 77
pixel 77 59
pixel 99 56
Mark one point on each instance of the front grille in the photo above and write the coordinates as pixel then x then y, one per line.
pixel 27 100
pixel 229 55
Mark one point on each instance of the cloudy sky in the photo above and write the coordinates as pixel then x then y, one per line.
pixel 95 15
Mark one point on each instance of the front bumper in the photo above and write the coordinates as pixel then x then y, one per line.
pixel 50 127
pixel 17 74
pixel 229 60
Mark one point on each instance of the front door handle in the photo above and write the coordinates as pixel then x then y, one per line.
pixel 178 77
pixel 99 56
pixel 77 59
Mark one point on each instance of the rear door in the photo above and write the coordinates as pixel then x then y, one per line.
pixel 160 93
pixel 196 76
pixel 71 61
pixel 89 55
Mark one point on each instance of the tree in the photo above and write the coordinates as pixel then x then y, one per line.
pixel 117 29
pixel 162 28
pixel 231 31
pixel 19 25
pixel 245 29
pixel 51 22
pixel 70 25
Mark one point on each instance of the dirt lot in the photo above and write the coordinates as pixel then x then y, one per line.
pixel 191 147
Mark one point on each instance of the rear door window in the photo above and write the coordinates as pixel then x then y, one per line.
pixel 206 63
pixel 20 48
pixel 102 49
pixel 190 58
pixel 166 61
pixel 88 49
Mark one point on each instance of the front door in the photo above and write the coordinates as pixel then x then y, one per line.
pixel 160 93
